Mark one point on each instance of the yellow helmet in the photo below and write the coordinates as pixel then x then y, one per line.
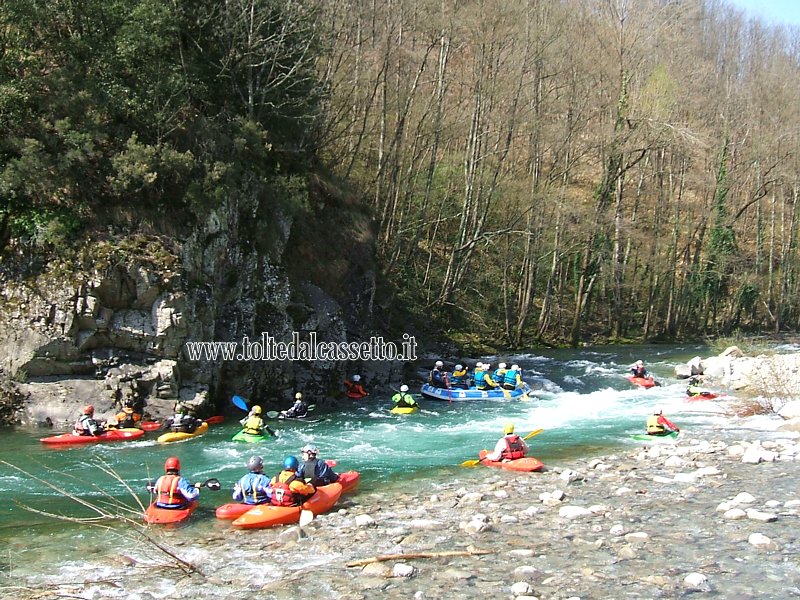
pixel 256 410
pixel 508 428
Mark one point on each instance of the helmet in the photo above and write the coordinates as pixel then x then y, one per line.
pixel 479 365
pixel 290 463
pixel 129 403
pixel 639 363
pixel 657 410
pixel 298 395
pixel 311 449
pixel 439 363
pixel 88 409
pixel 459 367
pixel 256 410
pixel 404 388
pixel 356 378
pixel 508 428
pixel 256 463
pixel 172 464
pixel 486 365
pixel 501 366
pixel 515 367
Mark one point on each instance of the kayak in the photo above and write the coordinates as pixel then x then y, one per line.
pixel 234 510
pixel 644 382
pixel 177 436
pixel 644 437
pixel 703 396
pixel 461 395
pixel 150 425
pixel 299 419
pixel 349 480
pixel 110 435
pixel 405 410
pixel 266 515
pixel 528 463
pixel 249 437
pixel 163 516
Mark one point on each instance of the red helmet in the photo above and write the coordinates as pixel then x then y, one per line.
pixel 88 409
pixel 172 464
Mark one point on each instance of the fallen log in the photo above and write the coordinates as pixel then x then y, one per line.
pixel 448 553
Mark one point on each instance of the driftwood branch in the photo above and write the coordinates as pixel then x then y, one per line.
pixel 385 557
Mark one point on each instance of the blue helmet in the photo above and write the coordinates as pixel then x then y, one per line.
pixel 290 463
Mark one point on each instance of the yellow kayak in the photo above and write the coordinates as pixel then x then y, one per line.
pixel 177 436
pixel 405 410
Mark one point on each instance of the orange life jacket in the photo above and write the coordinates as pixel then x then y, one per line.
pixel 167 492
pixel 514 448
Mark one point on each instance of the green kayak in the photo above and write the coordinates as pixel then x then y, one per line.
pixel 249 437
pixel 669 437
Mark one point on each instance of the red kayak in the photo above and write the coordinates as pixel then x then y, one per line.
pixel 110 435
pixel 150 425
pixel 528 464
pixel 266 515
pixel 703 396
pixel 349 480
pixel 162 516
pixel 644 382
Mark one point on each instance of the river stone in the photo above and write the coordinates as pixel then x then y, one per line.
pixel 526 573
pixel 734 514
pixel 764 517
pixel 759 540
pixel 509 519
pixel 402 570
pixel 574 512
pixel 697 581
pixel 375 569
pixel 617 530
pixel 743 498
pixel 520 588
pixel 470 498
pixel 425 524
pixel 637 537
pixel 458 574
pixel 364 521
pixel 522 552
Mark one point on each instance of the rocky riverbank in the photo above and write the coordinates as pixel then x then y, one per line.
pixel 713 515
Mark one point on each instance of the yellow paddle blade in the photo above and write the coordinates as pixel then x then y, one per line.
pixel 533 433
pixel 471 463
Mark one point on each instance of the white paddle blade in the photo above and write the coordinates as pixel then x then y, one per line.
pixel 306 517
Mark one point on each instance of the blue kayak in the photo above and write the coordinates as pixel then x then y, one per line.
pixel 460 395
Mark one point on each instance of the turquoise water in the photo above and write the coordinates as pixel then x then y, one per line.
pixel 583 403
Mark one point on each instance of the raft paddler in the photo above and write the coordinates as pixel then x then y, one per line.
pixel 513 378
pixel 508 447
pixel 485 382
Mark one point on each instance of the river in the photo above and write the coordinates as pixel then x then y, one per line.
pixel 584 404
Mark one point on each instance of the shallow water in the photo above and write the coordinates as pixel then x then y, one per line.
pixel 583 403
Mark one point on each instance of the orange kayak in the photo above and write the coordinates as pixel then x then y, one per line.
pixel 529 463
pixel 162 516
pixel 266 515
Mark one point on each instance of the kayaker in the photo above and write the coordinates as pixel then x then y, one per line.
pixel 127 418
pixel 459 378
pixel 658 424
pixel 313 470
pixel 355 390
pixel 485 382
pixel 508 447
pixel 172 490
pixel 513 378
pixel 253 424
pixel 695 389
pixel 403 399
pixel 438 377
pixel 638 370
pixel 86 423
pixel 499 374
pixel 286 488
pixel 253 488
pixel 182 421
pixel 298 410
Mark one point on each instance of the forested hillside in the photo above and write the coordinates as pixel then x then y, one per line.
pixel 555 170
pixel 537 170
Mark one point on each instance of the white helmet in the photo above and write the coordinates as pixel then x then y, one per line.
pixel 515 367
pixel 404 388
pixel 356 378
pixel 501 366
pixel 479 365
pixel 657 410
pixel 439 363
pixel 298 395
pixel 459 367
pixel 639 363
pixel 311 449
pixel 486 365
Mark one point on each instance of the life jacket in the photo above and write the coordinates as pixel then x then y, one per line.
pixel 167 493
pixel 514 448
pixel 477 376
pixel 404 400
pixel 653 426
pixel 309 469
pixel 510 378
pixel 282 493
pixel 639 372
pixel 252 492
pixel 86 425
pixel 499 375
pixel 254 425
pixel 459 378
pixel 481 383
pixel 127 418
pixel 354 390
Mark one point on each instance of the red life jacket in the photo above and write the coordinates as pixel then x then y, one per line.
pixel 167 493
pixel 514 448
pixel 282 493
pixel 354 390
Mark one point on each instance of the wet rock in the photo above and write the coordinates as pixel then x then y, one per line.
pixel 365 521
pixel 759 540
pixel 521 588
pixel 697 582
pixel 574 512
pixel 375 569
pixel 764 517
pixel 402 570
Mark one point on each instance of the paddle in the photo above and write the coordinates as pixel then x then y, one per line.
pixel 212 484
pixel 306 516
pixel 476 461
pixel 215 420
pixel 274 414
pixel 240 402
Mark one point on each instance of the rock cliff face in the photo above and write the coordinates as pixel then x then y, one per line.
pixel 113 321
